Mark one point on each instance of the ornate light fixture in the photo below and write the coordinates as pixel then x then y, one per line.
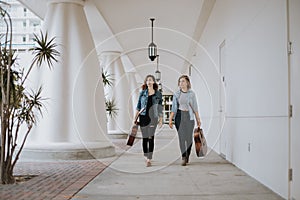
pixel 160 87
pixel 152 48
pixel 157 72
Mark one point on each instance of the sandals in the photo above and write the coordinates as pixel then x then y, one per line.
pixel 148 163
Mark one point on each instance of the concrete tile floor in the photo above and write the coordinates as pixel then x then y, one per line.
pixel 209 178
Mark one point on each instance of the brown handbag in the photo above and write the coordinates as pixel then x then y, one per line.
pixel 200 142
pixel 134 129
pixel 132 135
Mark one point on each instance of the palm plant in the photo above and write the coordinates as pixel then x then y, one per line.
pixel 111 107
pixel 107 79
pixel 19 105
pixel 110 104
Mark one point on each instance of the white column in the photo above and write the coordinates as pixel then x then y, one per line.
pixel 119 91
pixel 134 90
pixel 75 119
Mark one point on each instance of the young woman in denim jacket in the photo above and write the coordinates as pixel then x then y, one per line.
pixel 185 110
pixel 149 110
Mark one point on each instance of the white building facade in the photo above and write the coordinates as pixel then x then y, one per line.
pixel 24 24
pixel 245 70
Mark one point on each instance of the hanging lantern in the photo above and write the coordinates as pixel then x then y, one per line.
pixel 152 48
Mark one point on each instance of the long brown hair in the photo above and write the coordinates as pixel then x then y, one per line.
pixel 155 86
pixel 186 77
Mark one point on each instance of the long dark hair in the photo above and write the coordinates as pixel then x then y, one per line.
pixel 155 86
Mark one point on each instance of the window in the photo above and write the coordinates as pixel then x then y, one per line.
pixel 35 26
pixel 31 39
pixel 24 38
pixel 167 106
pixel 25 12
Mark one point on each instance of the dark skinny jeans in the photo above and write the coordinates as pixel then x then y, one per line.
pixel 148 140
pixel 184 128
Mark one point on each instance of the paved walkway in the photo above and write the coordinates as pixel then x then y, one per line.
pixel 209 178
pixel 125 176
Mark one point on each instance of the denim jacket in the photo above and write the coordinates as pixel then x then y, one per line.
pixel 192 101
pixel 156 101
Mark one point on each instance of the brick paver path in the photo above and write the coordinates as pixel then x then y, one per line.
pixel 54 180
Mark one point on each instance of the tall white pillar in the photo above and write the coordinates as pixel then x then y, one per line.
pixel 134 90
pixel 75 119
pixel 119 91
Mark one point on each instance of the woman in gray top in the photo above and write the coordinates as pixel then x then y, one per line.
pixel 185 110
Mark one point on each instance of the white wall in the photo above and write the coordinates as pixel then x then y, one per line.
pixel 256 73
pixel 295 96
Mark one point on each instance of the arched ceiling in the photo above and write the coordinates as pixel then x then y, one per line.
pixel 125 25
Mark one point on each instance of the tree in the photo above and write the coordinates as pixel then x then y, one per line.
pixel 20 106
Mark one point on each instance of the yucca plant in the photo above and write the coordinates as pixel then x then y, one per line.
pixel 110 104
pixel 19 105
pixel 107 79
pixel 111 108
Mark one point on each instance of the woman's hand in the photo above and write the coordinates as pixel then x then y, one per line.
pixel 198 119
pixel 160 122
pixel 170 119
pixel 198 123
pixel 135 119
pixel 171 124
